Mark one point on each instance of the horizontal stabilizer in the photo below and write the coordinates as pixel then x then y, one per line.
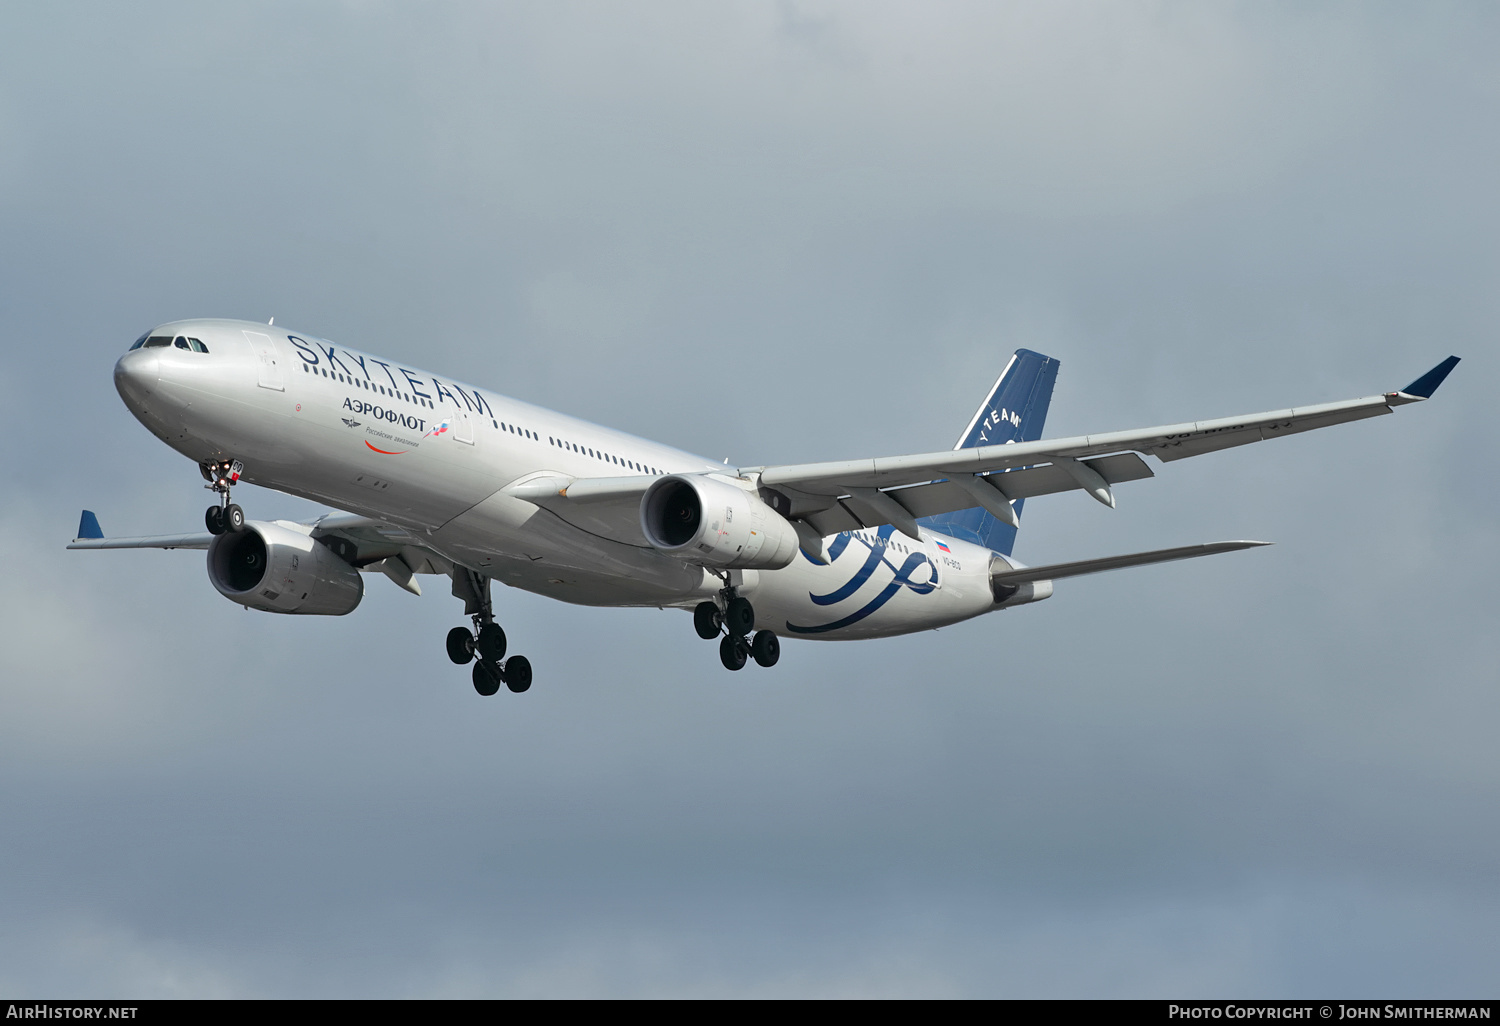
pixel 1094 566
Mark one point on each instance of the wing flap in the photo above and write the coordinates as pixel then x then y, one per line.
pixel 1050 478
pixel 851 513
pixel 945 496
pixel 834 520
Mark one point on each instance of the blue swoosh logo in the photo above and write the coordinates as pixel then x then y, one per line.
pixel 901 579
pixel 876 557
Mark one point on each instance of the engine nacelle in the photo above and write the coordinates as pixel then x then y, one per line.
pixel 281 570
pixel 711 522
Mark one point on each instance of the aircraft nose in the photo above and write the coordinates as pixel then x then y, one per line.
pixel 136 376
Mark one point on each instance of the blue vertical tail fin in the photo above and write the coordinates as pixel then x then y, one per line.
pixel 1014 411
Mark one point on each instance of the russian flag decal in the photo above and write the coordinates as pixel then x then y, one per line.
pixel 945 548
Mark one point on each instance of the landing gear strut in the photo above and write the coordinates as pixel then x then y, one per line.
pixel 485 644
pixel 736 619
pixel 221 475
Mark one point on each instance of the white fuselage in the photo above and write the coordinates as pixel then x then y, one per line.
pixel 431 455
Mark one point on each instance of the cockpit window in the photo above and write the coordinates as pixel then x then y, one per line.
pixel 150 341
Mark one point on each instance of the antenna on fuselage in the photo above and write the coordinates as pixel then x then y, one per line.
pixel 271 322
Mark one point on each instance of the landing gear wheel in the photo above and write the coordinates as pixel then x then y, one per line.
pixel 518 673
pixel 491 643
pixel 234 518
pixel 732 652
pixel 766 648
pixel 486 677
pixel 460 645
pixel 739 617
pixel 213 519
pixel 705 619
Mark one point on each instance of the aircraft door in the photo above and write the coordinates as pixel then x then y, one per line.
pixel 463 427
pixel 268 361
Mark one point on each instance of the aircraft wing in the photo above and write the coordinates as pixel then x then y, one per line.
pixel 365 543
pixel 851 494
pixel 90 536
pixel 155 541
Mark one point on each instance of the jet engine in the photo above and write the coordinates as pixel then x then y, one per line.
pixel 711 522
pixel 280 570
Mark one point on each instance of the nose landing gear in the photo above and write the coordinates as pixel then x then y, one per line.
pixel 485 644
pixel 221 475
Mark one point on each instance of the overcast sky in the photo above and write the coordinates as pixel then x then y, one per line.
pixel 773 232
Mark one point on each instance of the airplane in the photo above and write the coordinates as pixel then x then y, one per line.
pixel 437 477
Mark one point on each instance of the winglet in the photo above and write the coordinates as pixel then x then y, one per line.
pixel 1428 383
pixel 88 526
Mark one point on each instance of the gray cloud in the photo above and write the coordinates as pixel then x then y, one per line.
pixel 770 232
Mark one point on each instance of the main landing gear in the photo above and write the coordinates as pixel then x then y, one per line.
pixel 736 619
pixel 221 475
pixel 485 644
